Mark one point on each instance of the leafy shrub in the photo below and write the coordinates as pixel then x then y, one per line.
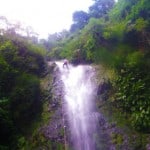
pixel 7 78
pixel 104 56
pixel 25 99
pixel 6 123
pixel 23 57
pixel 133 96
pixel 21 64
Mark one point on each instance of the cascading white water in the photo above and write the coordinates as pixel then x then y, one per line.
pixel 79 90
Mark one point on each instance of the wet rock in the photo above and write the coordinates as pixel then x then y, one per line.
pixel 54 130
pixel 51 67
pixel 103 87
pixel 102 120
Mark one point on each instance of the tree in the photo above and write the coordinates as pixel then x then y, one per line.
pixel 100 8
pixel 80 19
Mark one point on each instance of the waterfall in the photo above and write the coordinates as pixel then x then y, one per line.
pixel 79 98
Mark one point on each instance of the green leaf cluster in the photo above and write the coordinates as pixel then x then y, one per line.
pixel 132 94
pixel 22 63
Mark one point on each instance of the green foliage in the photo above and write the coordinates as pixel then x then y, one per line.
pixel 55 53
pixel 100 8
pixel 25 57
pixel 80 19
pixel 88 40
pixel 103 56
pixel 6 124
pixel 135 59
pixel 141 24
pixel 117 139
pixel 22 143
pixel 21 64
pixel 122 9
pixel 37 49
pixel 8 51
pixel 69 49
pixel 139 9
pixel 115 32
pixel 133 91
pixel 25 99
pixel 122 51
pixel 7 78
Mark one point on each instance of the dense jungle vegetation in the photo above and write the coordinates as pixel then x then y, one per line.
pixel 22 63
pixel 116 35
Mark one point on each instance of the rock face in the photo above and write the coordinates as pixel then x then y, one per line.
pixel 103 88
pixel 54 130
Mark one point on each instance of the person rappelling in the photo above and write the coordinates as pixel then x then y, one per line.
pixel 65 64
